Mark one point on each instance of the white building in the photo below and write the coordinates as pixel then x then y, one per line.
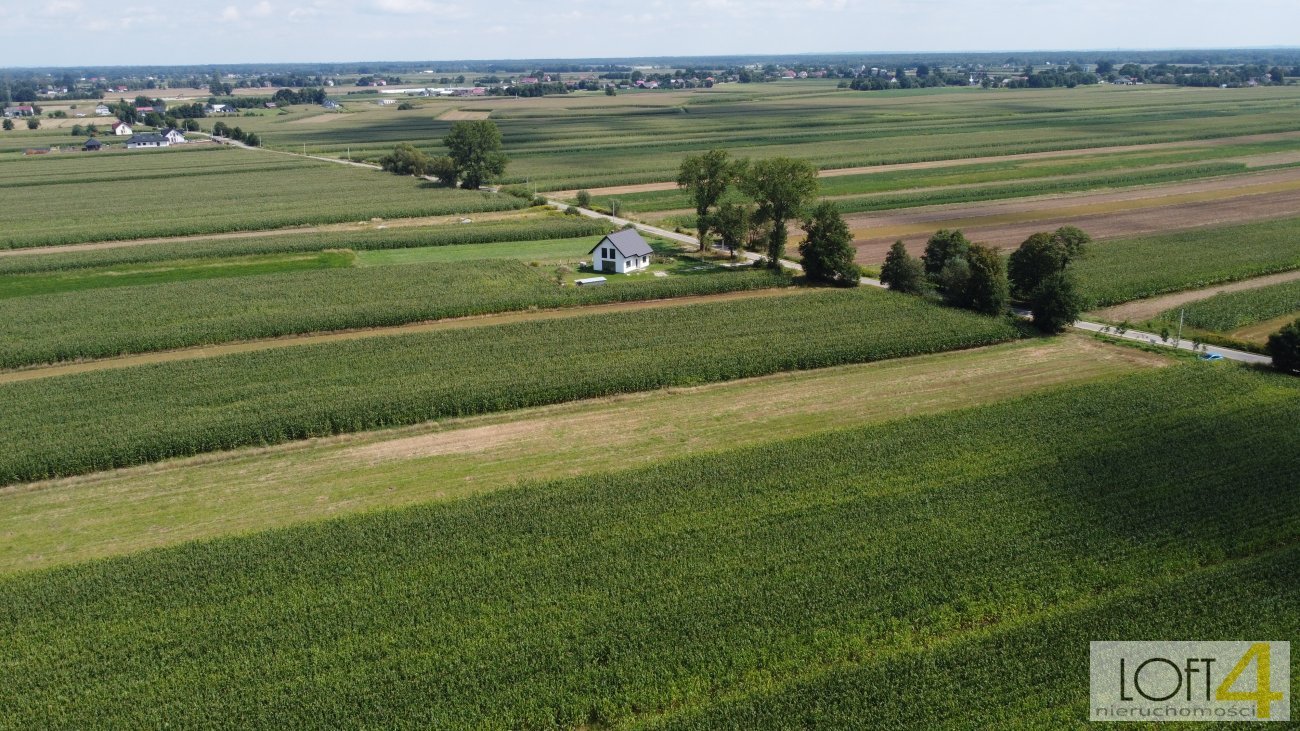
pixel 174 136
pixel 103 111
pixel 140 142
pixel 621 252
pixel 121 129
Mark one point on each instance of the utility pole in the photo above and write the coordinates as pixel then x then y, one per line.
pixel 1180 327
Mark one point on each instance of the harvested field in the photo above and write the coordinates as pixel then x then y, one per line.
pixel 464 115
pixel 1132 212
pixel 1145 309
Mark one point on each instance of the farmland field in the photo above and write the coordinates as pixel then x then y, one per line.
pixel 260 488
pixel 99 420
pixel 226 190
pixel 678 595
pixel 100 323
pixel 513 227
pixel 1134 268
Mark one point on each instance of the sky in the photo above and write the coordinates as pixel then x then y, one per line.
pixel 133 32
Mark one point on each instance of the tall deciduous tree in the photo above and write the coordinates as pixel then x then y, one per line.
pixel 987 290
pixel 828 251
pixel 901 271
pixel 405 159
pixel 475 148
pixel 781 187
pixel 732 222
pixel 1056 302
pixel 1284 347
pixel 707 177
pixel 944 246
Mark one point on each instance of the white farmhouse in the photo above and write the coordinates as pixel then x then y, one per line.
pixel 621 252
pixel 103 111
pixel 121 129
pixel 140 142
pixel 174 136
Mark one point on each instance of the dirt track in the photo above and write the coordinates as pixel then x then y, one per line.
pixel 1129 212
pixel 929 164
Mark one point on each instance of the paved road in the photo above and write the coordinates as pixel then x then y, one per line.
pixel 1094 327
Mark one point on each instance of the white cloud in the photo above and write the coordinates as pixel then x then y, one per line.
pixel 261 10
pixel 230 14
pixel 404 7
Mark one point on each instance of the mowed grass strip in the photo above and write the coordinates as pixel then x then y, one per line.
pixel 102 323
pixel 524 227
pixel 1120 270
pixel 648 594
pixel 75 424
pixel 128 510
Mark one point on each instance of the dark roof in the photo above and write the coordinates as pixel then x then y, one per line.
pixel 628 242
pixel 92 142
pixel 137 139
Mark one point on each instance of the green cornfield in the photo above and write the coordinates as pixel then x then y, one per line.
pixel 914 574
pixel 109 418
pixel 1232 310
pixel 99 323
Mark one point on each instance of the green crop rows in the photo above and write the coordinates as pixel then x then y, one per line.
pixel 107 322
pixel 109 418
pixel 917 574
pixel 1232 310
pixel 228 197
pixel 1127 269
pixel 524 228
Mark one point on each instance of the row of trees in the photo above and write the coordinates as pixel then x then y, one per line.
pixel 32 123
pixel 779 190
pixel 978 277
pixel 221 129
pixel 474 156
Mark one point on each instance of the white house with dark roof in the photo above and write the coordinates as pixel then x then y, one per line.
pixel 174 136
pixel 140 142
pixel 121 129
pixel 622 253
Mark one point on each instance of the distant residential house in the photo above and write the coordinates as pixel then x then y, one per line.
pixel 270 105
pixel 174 136
pixel 529 80
pixel 139 142
pixel 621 252
pixel 121 129
pixel 788 74
pixel 93 145
pixel 120 89
pixel 330 104
pixel 143 110
pixel 103 111
pixel 23 110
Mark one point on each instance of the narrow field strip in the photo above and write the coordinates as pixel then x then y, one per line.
pixel 86 422
pixel 123 511
pixel 455 323
pixel 1145 309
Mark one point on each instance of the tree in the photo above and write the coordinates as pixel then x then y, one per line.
pixel 707 177
pixel 584 199
pixel 901 271
pixel 8 124
pixel 405 159
pixel 220 129
pixel 77 131
pixel 732 222
pixel 475 149
pixel 944 246
pixel 987 289
pixel 828 251
pixel 781 187
pixel 1056 302
pixel 252 140
pixel 443 168
pixel 191 125
pixel 1284 347
pixel 954 280
pixel 609 91
pixel 33 123
pixel 1043 255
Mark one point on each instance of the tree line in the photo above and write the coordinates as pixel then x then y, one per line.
pixel 474 156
